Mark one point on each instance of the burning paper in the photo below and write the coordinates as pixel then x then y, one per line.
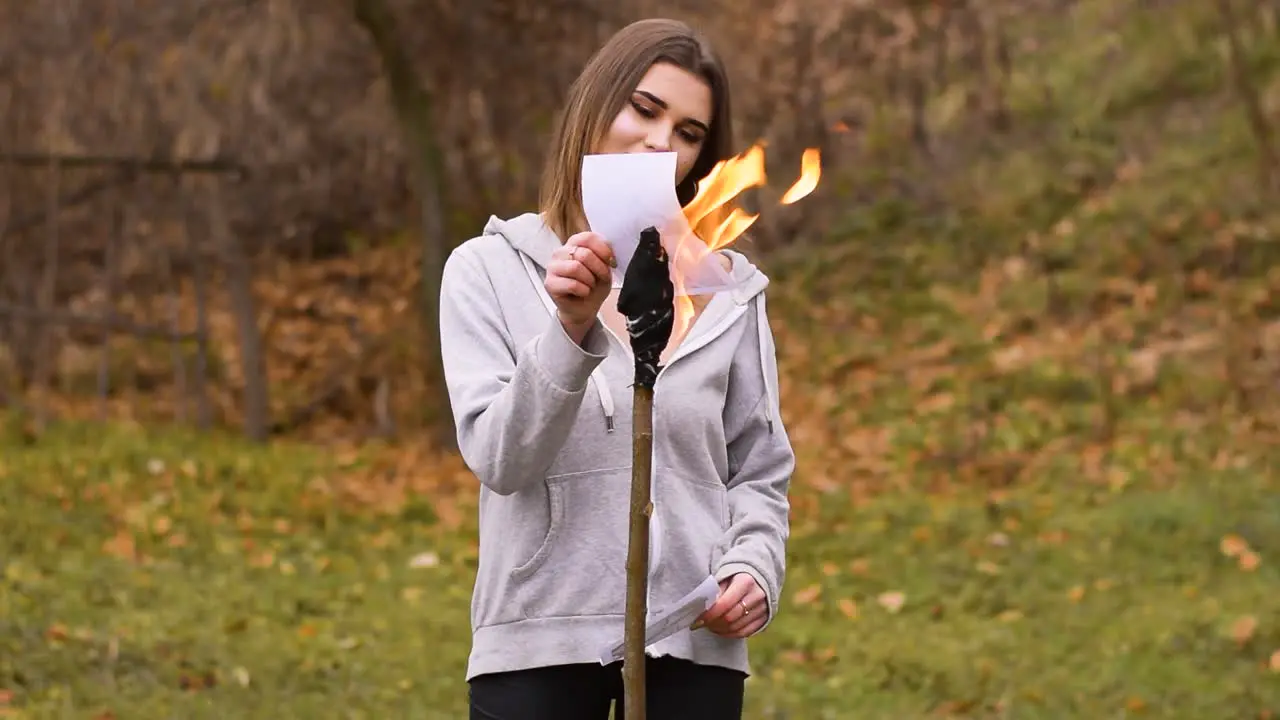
pixel 624 193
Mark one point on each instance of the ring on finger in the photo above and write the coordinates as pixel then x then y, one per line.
pixel 745 611
pixel 573 253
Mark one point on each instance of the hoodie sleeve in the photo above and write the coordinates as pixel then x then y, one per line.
pixel 513 406
pixel 761 461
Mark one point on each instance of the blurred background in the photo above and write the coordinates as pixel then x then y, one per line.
pixel 1028 329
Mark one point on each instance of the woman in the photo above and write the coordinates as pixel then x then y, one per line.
pixel 538 371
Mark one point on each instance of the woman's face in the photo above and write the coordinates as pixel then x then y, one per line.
pixel 669 111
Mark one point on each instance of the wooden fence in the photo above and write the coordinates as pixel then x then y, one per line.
pixel 118 254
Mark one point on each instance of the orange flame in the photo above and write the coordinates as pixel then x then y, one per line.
pixel 716 223
pixel 810 173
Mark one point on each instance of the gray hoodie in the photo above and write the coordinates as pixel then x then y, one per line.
pixel 545 424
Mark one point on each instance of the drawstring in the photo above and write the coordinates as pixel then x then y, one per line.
pixel 597 375
pixel 768 361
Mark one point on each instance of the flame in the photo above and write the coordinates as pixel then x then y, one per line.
pixel 810 173
pixel 715 222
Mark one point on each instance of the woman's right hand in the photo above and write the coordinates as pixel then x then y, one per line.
pixel 579 279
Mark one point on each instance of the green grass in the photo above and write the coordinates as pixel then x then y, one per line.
pixel 1059 599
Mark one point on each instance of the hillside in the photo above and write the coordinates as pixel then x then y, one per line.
pixel 1036 403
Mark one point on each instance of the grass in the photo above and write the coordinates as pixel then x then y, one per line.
pixel 157 574
pixel 1039 457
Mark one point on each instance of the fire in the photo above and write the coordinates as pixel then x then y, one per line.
pixel 716 222
pixel 810 172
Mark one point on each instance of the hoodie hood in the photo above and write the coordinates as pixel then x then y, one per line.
pixel 535 241
pixel 528 234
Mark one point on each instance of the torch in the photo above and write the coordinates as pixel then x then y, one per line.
pixel 647 300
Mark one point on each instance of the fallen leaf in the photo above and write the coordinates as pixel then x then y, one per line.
pixel 307 631
pixel 986 567
pixel 1232 545
pixel 1053 537
pixel 807 595
pixel 264 559
pixel 242 676
pixel 861 566
pixel 850 609
pixel 425 560
pixel 794 656
pixel 1275 662
pixel 162 525
pixel 1076 593
pixel 1010 616
pixel 1249 561
pixel 830 569
pixel 892 601
pixel 6 697
pixel 1242 629
pixel 121 545
pixel 1135 704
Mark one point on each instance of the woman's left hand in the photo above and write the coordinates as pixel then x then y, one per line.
pixel 739 611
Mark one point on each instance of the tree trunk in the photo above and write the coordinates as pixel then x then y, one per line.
pixel 1269 162
pixel 414 106
pixel 257 406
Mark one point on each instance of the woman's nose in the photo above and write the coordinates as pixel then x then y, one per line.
pixel 659 138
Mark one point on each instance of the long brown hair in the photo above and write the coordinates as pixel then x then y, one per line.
pixel 598 95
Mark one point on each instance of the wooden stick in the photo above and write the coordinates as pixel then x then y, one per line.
pixel 633 659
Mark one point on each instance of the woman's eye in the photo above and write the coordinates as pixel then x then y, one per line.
pixel 644 111
pixel 693 138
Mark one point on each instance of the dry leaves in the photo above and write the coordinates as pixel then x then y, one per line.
pixel 808 595
pixel 892 601
pixel 1234 546
pixel 1243 629
pixel 121 545
pixel 850 610
pixel 424 560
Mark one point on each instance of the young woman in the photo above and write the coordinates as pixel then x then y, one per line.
pixel 537 362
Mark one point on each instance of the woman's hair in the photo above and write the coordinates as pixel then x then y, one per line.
pixel 601 91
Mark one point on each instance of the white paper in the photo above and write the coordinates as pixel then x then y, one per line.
pixel 665 623
pixel 624 193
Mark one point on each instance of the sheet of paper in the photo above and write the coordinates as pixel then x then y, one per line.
pixel 624 193
pixel 665 623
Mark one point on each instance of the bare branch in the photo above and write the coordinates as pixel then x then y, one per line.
pixel 152 165
pixel 117 325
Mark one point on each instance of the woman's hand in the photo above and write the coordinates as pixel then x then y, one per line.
pixel 739 611
pixel 579 279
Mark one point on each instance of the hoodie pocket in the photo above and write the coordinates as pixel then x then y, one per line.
pixel 695 517
pixel 580 566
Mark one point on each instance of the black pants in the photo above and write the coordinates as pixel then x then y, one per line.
pixel 675 690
